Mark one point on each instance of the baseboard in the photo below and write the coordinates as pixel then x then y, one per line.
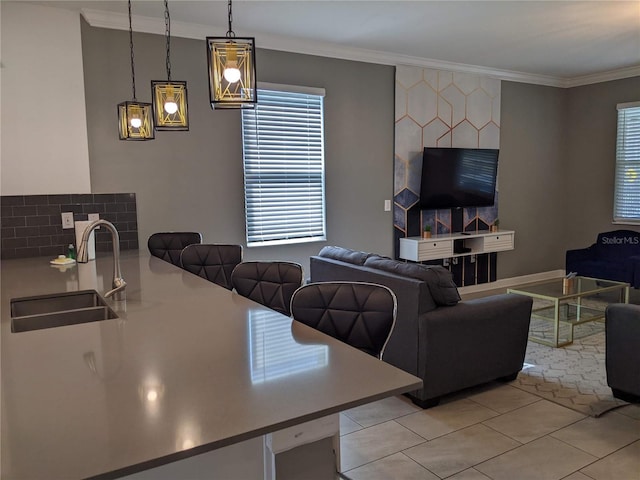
pixel 511 282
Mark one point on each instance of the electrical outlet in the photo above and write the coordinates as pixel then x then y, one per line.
pixel 67 219
pixel 387 205
pixel 93 217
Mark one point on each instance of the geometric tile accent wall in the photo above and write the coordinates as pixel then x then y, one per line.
pixel 436 108
pixel 31 225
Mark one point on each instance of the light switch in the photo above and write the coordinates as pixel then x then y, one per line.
pixel 387 205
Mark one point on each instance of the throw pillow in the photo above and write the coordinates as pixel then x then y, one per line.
pixel 443 290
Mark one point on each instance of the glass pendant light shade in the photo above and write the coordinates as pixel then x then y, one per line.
pixel 170 110
pixel 232 77
pixel 135 121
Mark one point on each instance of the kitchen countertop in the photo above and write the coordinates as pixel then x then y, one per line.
pixel 188 367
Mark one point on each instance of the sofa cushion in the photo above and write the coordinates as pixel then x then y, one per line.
pixel 439 280
pixel 344 255
pixel 413 270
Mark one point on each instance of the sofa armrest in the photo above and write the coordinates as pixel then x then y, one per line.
pixel 483 312
pixel 580 254
pixel 478 341
pixel 622 355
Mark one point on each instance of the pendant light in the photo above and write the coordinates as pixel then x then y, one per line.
pixel 232 70
pixel 169 97
pixel 134 118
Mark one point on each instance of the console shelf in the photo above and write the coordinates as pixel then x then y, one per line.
pixel 451 245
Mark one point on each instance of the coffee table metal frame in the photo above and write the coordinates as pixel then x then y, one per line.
pixel 567 304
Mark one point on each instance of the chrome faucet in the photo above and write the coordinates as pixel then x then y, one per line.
pixel 118 284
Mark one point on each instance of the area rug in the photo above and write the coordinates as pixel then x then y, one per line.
pixel 573 376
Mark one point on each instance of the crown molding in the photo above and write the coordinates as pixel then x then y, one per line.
pixel 509 75
pixel 603 77
pixel 118 21
pixel 142 24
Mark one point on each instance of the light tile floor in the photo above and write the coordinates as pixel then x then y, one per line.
pixel 492 432
pixel 495 431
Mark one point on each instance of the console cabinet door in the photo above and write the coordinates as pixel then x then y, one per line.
pixel 430 250
pixel 498 242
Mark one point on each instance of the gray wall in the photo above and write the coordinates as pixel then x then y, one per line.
pixel 556 170
pixel 591 138
pixel 532 177
pixel 193 180
pixel 556 185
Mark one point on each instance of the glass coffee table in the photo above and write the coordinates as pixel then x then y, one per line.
pixel 560 305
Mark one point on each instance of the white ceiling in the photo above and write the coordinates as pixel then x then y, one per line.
pixel 560 43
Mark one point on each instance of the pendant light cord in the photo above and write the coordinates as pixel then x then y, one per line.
pixel 133 70
pixel 167 34
pixel 230 33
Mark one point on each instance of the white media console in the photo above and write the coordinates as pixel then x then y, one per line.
pixel 451 245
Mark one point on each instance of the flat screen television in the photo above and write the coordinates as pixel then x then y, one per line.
pixel 458 177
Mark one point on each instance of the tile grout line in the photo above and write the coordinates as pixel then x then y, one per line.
pixel 392 454
pixel 597 459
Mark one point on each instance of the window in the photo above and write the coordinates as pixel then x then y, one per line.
pixel 283 152
pixel 626 202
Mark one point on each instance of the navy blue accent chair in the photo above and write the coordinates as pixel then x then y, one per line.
pixel 614 256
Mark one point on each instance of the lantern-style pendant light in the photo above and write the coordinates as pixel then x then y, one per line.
pixel 134 118
pixel 232 70
pixel 169 97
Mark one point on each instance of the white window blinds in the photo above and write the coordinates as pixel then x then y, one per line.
pixel 626 203
pixel 283 151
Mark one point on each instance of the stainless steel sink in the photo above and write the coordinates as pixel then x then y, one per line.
pixel 57 310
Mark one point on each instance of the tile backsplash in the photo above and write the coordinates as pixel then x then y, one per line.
pixel 31 225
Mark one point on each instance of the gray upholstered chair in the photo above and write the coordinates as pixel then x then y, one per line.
pixel 168 245
pixel 623 351
pixel 270 283
pixel 360 314
pixel 215 262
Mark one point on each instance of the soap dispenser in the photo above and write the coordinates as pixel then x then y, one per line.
pixel 71 251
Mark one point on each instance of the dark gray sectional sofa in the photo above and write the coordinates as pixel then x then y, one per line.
pixel 449 344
